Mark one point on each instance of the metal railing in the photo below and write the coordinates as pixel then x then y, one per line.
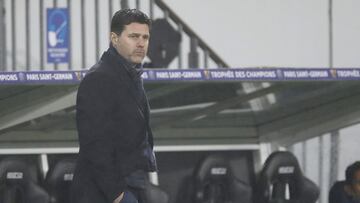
pixel 23 34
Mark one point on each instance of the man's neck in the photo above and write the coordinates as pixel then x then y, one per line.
pixel 130 63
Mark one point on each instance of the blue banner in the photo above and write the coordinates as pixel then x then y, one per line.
pixel 161 75
pixel 57 35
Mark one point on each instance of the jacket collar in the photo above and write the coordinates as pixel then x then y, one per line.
pixel 126 73
pixel 134 70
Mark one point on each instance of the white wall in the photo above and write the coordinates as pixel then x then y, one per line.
pixel 349 150
pixel 347 33
pixel 245 33
pixel 276 33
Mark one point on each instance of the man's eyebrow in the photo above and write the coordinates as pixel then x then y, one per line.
pixel 138 34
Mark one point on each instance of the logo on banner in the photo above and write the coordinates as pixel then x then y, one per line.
pixel 57 35
pixel 78 75
pixel 333 73
pixel 207 74
pixel 152 75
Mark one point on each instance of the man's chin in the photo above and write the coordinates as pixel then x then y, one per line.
pixel 137 59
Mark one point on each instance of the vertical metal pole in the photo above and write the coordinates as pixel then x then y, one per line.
pixel 4 42
pixel 56 64
pixel 138 4
pixel 151 8
pixel 97 29
pixel 331 53
pixel 166 14
pixel 334 156
pixel 110 11
pixel 180 58
pixel 124 4
pixel 27 34
pixel 69 39
pixel 206 59
pixel 83 35
pixel 13 38
pixel 2 37
pixel 42 35
pixel 193 55
pixel 304 160
pixel 321 166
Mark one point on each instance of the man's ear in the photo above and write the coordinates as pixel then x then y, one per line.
pixel 113 37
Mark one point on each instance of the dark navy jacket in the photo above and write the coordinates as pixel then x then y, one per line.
pixel 114 132
pixel 338 195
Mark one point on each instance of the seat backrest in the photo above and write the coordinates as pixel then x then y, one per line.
pixel 281 180
pixel 155 195
pixel 58 180
pixel 216 183
pixel 18 183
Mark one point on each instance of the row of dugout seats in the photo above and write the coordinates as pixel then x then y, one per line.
pixel 213 181
pixel 20 183
pixel 280 181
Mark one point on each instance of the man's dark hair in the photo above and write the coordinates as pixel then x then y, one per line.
pixel 127 16
pixel 350 172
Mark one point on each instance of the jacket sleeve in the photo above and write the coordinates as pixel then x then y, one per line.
pixel 96 130
pixel 334 194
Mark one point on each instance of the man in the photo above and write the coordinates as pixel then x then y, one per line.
pixel 347 191
pixel 112 115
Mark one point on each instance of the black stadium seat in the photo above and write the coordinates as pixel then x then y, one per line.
pixel 214 182
pixel 18 184
pixel 58 180
pixel 155 195
pixel 281 181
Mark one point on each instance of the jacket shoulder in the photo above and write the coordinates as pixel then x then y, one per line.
pixel 100 72
pixel 337 192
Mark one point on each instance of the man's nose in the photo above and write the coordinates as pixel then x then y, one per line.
pixel 141 42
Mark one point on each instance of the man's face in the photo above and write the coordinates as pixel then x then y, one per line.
pixel 133 42
pixel 356 182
